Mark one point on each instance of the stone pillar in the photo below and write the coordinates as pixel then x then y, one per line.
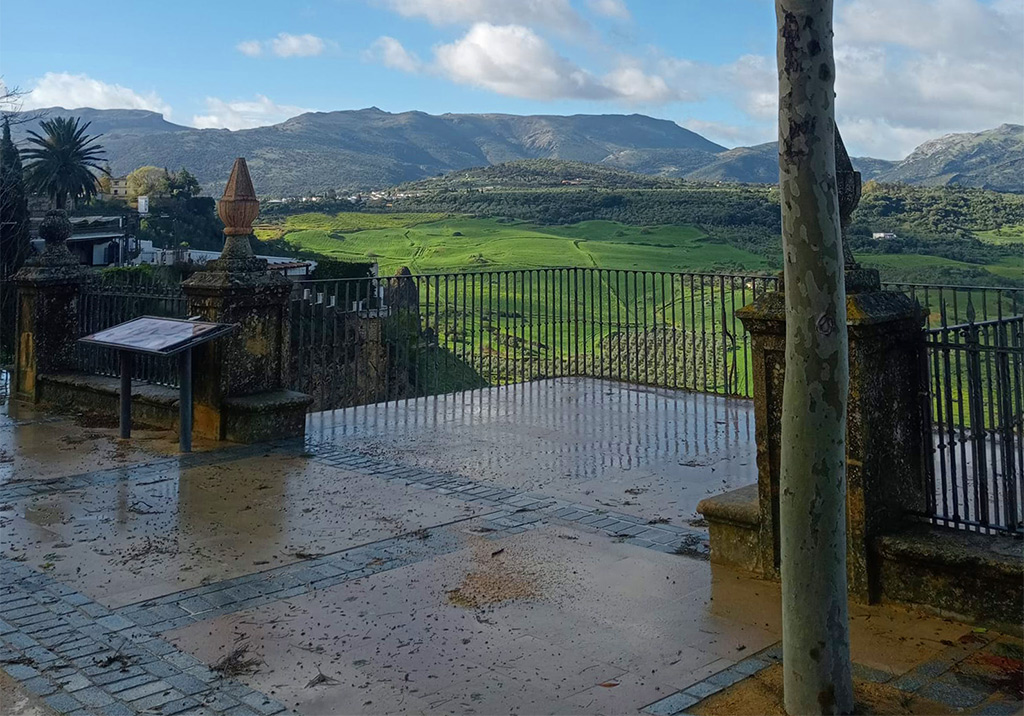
pixel 48 290
pixel 884 439
pixel 240 381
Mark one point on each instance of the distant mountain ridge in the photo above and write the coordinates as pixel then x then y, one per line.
pixel 369 148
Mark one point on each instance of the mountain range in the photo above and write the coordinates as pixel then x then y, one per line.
pixel 371 149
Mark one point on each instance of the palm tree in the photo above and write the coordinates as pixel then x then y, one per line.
pixel 64 161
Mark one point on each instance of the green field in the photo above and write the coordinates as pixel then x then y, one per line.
pixel 1005 235
pixel 428 244
pixel 666 328
pixel 434 243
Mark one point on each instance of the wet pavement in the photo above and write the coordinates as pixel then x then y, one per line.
pixel 512 550
pixel 644 451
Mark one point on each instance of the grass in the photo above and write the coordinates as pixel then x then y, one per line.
pixel 1004 235
pixel 428 244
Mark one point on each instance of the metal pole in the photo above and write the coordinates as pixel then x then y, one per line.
pixel 185 400
pixel 126 394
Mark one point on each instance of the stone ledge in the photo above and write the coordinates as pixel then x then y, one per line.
pixel 739 506
pixel 265 416
pixel 274 401
pixel 152 405
pixel 734 528
pixel 962 574
pixel 156 394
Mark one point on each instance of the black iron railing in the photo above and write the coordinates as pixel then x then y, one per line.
pixel 368 340
pixel 107 301
pixel 975 419
pixel 365 340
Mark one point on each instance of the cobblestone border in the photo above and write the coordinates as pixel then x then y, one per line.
pixel 173 611
pixel 520 509
pixel 932 680
pixel 81 658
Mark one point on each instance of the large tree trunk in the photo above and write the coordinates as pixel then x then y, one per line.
pixel 812 510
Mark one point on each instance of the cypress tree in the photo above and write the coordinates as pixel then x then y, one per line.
pixel 14 235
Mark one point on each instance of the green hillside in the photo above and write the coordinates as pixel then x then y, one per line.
pixel 426 244
pixel 436 243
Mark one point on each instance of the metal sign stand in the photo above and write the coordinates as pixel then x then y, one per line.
pixel 164 337
pixel 184 397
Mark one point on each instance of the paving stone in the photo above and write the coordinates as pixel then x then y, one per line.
pixel 62 702
pixel 20 672
pixel 219 701
pixel 74 682
pixel 187 684
pixel 115 709
pixel 119 675
pixel 182 660
pixel 867 673
pixel 119 685
pixel 175 707
pixel 139 692
pixel 671 705
pixel 261 703
pixel 20 641
pixel 115 622
pixel 702 689
pixel 727 677
pixel 151 702
pixel 199 711
pixel 752 665
pixel 40 686
pixel 94 696
pixel 240 710
pixel 999 708
pixel 24 615
pixel 161 669
pixel 946 690
pixel 911 682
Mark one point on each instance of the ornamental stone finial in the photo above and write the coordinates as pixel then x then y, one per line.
pixel 238 208
pixel 55 230
pixel 848 186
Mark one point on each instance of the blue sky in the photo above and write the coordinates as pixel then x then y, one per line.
pixel 907 71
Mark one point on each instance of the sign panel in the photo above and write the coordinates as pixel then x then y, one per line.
pixel 160 336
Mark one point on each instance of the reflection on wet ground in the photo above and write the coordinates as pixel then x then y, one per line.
pixel 642 451
pixel 512 550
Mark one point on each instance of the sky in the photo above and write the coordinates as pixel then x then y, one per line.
pixel 907 70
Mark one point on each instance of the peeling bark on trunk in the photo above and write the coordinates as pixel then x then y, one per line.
pixel 812 509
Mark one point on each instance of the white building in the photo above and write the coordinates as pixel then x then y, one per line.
pixel 169 257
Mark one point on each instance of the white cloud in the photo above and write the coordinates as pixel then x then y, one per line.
pixel 389 52
pixel 61 89
pixel 906 72
pixel 732 135
pixel 912 70
pixel 515 61
pixel 284 45
pixel 241 114
pixel 633 85
pixel 558 15
pixel 614 9
pixel 252 48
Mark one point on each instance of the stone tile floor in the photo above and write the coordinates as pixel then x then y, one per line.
pixel 506 551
